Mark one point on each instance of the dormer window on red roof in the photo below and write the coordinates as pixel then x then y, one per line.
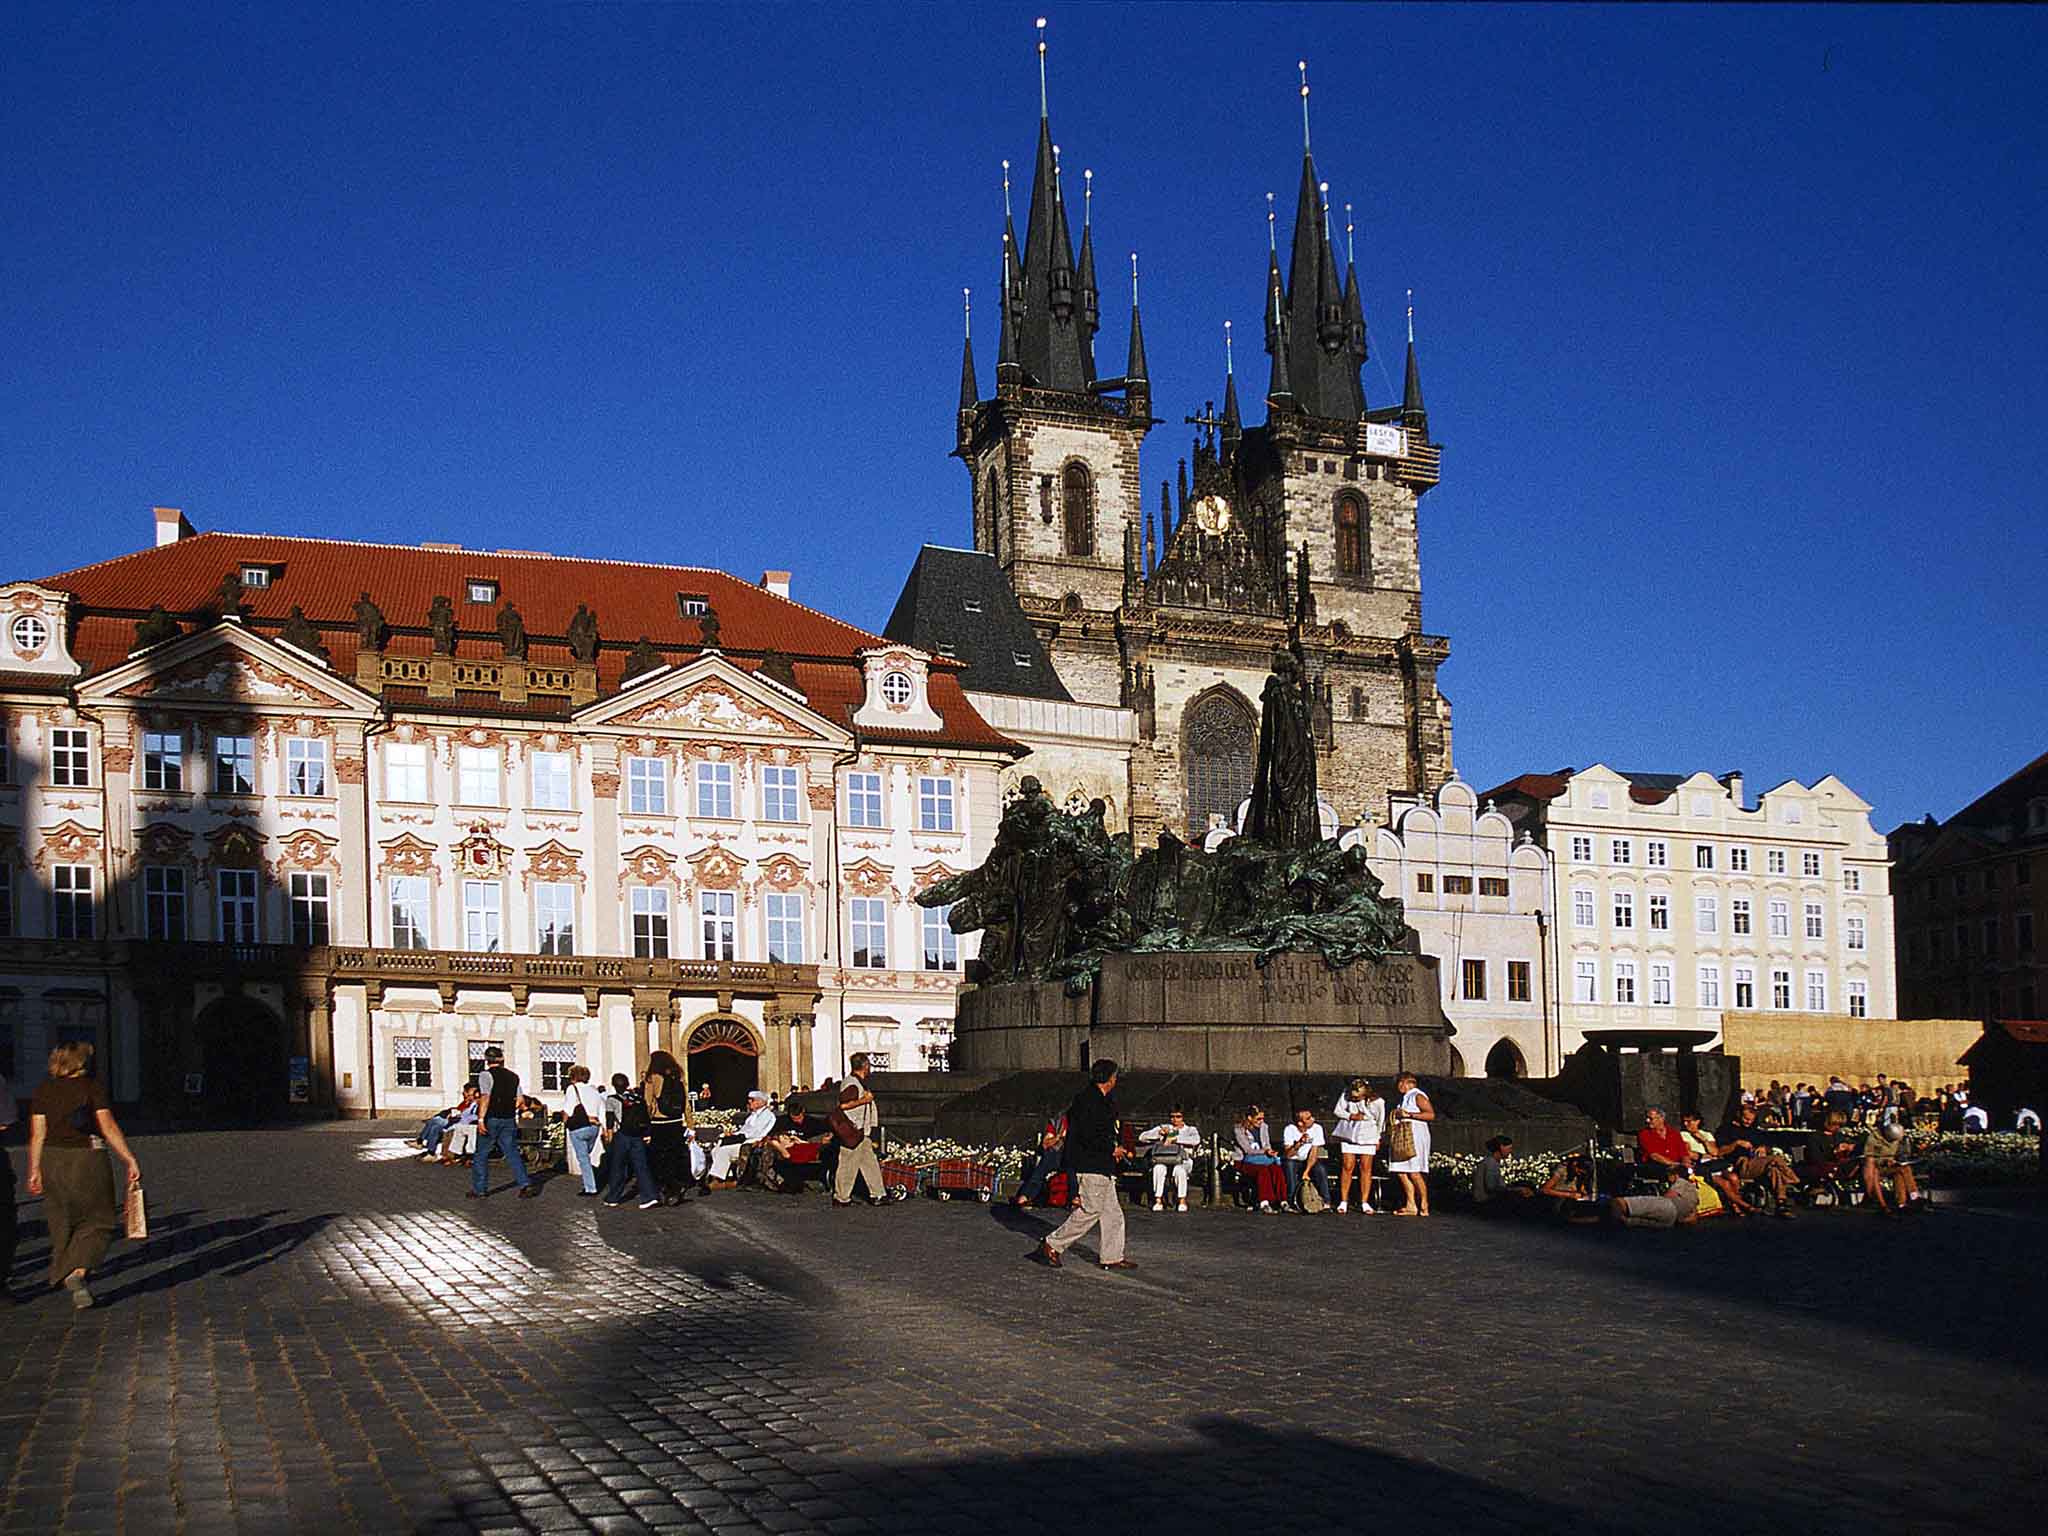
pixel 480 590
pixel 692 605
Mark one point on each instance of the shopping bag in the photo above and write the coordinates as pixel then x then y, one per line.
pixel 135 1214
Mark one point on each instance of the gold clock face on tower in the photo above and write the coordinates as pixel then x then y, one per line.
pixel 1212 514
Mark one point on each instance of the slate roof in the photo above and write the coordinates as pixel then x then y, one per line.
pixel 958 604
pixel 630 599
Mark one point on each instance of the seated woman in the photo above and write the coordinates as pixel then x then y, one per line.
pixel 1573 1191
pixel 1052 1144
pixel 1259 1171
pixel 789 1151
pixel 439 1123
pixel 1710 1164
pixel 1830 1151
pixel 733 1151
pixel 1172 1148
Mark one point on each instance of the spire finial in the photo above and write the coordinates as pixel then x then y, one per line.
pixel 1006 189
pixel 1087 198
pixel 1324 188
pixel 1056 171
pixel 1411 317
pixel 967 310
pixel 1041 67
pixel 1350 255
pixel 1272 240
pixel 1229 362
pixel 1134 279
pixel 1303 67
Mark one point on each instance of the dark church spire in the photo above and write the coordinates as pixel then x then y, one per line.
pixel 1313 332
pixel 1354 304
pixel 1278 385
pixel 970 392
pixel 1054 344
pixel 1134 370
pixel 1413 415
pixel 1233 423
pixel 1091 301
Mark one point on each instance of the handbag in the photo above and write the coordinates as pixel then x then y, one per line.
pixel 1312 1200
pixel 579 1117
pixel 1401 1141
pixel 135 1214
pixel 849 1134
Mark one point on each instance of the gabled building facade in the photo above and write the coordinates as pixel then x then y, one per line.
pixel 292 819
pixel 1309 517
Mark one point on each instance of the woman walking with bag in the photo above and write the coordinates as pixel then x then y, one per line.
pixel 1408 1144
pixel 70 1173
pixel 583 1118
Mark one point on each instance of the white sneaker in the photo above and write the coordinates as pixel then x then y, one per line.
pixel 1266 1205
pixel 1183 1207
pixel 1342 1207
pixel 1157 1206
pixel 1366 1210
pixel 648 1205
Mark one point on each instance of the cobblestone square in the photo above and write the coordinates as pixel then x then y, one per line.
pixel 325 1336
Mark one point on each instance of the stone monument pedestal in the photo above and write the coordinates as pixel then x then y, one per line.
pixel 1215 1011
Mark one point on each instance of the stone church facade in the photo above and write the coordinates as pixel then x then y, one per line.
pixel 1172 615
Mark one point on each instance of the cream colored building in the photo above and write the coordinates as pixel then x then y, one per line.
pixel 1676 899
pixel 264 837
pixel 1478 894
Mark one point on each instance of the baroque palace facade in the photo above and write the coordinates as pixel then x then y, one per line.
pixel 1160 631
pixel 293 818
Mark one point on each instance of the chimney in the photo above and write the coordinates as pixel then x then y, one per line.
pixel 171 526
pixel 1732 782
pixel 776 582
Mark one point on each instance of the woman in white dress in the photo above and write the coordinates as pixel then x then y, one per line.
pixel 1361 1119
pixel 1416 1111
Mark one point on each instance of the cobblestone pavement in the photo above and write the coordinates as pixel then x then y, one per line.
pixel 324 1336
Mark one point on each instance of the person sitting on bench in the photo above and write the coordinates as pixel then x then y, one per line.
pixel 1172 1150
pixel 1052 1143
pixel 734 1149
pixel 1492 1194
pixel 1830 1151
pixel 1887 1161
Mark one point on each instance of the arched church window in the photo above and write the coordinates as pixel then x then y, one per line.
pixel 1219 733
pixel 1077 503
pixel 1350 537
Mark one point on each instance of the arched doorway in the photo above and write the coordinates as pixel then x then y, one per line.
pixel 725 1054
pixel 1505 1060
pixel 241 1049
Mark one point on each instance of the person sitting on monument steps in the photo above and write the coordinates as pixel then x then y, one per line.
pixel 1094 1148
pixel 1492 1194
pixel 1415 1112
pixel 1657 1142
pixel 1052 1141
pixel 1361 1121
pixel 1754 1160
pixel 736 1148
pixel 1173 1147
pixel 1830 1151
pixel 1308 1162
pixel 1266 1183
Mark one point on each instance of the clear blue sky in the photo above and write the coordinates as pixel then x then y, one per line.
pixel 1733 321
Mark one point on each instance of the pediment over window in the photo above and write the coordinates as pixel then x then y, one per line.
pixel 712 697
pixel 228 664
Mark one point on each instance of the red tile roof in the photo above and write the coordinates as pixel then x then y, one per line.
pixel 1548 786
pixel 323 577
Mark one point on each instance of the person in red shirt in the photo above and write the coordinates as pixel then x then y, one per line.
pixel 1657 1142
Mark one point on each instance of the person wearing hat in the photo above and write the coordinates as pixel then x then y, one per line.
pixel 732 1151
pixel 497 1087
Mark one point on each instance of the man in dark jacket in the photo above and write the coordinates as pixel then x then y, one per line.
pixel 1093 1150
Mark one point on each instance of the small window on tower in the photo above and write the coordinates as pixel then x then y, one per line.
pixel 1350 537
pixel 1358 703
pixel 1077 497
pixel 1021 658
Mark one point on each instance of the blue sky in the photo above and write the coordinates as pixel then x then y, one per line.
pixel 1732 320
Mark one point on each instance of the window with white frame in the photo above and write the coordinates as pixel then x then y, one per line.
pixel 476 775
pixel 405 771
pixel 305 766
pixel 1781 919
pixel 1710 986
pixel 1660 914
pixel 1859 999
pixel 1660 984
pixel 1582 850
pixel 550 778
pixel 649 904
pixel 474 1050
pixel 1657 853
pixel 1621 850
pixel 307 894
pixel 234 765
pixel 557 1057
pixel 870 932
pixel 1624 981
pixel 234 893
pixel 1854 932
pixel 1739 922
pixel 70 759
pixel 480 590
pixel 1816 921
pixel 1582 906
pixel 1702 855
pixel 941 943
pixel 1738 860
pixel 1809 864
pixel 1706 914
pixel 1781 990
pixel 1816 991
pixel 412 905
pixel 934 804
pixel 1852 879
pixel 1585 981
pixel 1774 861
pixel 1624 909
pixel 646 786
pixel 1518 981
pixel 720 922
pixel 784 914
pixel 863 799
pixel 412 1062
pixel 1745 988
pixel 483 916
pixel 714 790
pixel 163 902
pixel 163 760
pixel 778 794
pixel 554 918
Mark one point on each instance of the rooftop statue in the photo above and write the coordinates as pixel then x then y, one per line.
pixel 1057 892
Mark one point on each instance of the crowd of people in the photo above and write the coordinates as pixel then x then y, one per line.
pixel 1806 1105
